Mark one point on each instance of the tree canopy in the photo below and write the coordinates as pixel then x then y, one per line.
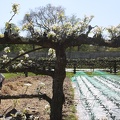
pixel 50 22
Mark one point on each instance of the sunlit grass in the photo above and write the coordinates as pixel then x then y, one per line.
pixel 69 74
pixel 72 115
pixel 12 75
pixel 89 73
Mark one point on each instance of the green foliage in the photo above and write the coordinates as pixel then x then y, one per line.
pixel 113 49
pixel 16 48
pixel 3 46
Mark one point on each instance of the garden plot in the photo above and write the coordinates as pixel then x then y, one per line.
pixel 98 96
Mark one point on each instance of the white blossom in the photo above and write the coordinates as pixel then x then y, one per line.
pixel 30 61
pixel 55 27
pixel 39 87
pixel 21 61
pixel 51 53
pixel 14 66
pixel 19 65
pixel 47 109
pixel 61 15
pixel 26 56
pixel 51 34
pixel 21 52
pixel 5 61
pixel 5 56
pixel 54 55
pixel 68 25
pixel 7 49
pixel 47 106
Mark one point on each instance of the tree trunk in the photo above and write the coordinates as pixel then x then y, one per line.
pixel 58 95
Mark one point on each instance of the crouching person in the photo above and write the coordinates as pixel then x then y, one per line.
pixel 2 78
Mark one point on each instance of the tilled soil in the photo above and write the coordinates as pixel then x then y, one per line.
pixel 30 85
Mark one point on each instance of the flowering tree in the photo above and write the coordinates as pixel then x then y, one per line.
pixel 48 27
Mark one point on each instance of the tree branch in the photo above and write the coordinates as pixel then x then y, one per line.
pixel 41 41
pixel 24 96
pixel 82 39
pixel 12 17
pixel 5 65
pixel 68 42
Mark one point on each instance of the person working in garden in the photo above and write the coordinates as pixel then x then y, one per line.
pixel 2 77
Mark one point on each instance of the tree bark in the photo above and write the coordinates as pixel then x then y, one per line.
pixel 58 79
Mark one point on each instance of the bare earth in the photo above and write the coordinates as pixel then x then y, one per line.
pixel 36 107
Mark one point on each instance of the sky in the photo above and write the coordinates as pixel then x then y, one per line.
pixel 105 12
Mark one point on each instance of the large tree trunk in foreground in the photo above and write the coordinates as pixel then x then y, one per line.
pixel 58 95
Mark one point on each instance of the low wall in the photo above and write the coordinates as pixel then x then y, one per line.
pixel 79 55
pixel 71 55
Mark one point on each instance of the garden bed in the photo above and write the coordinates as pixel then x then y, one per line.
pixel 28 85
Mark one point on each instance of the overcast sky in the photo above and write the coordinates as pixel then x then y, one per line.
pixel 106 12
